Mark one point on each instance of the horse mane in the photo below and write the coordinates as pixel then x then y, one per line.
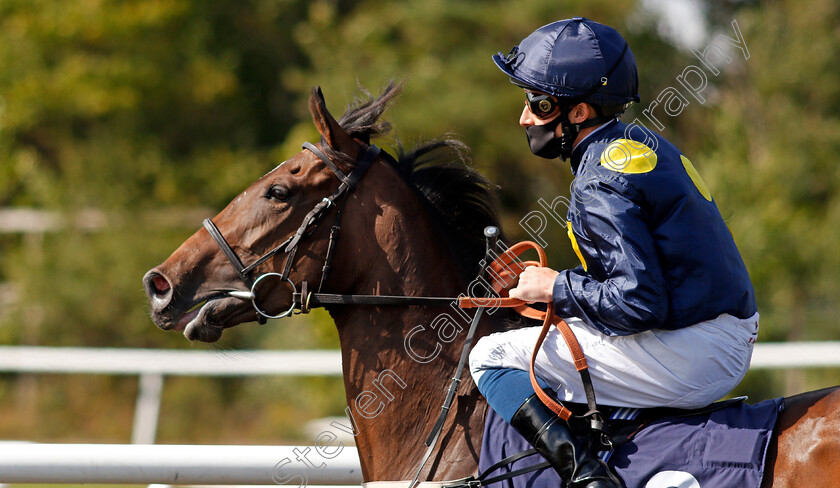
pixel 459 199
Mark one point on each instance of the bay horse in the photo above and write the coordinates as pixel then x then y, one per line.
pixel 411 226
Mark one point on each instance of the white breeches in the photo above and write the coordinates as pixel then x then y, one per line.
pixel 685 368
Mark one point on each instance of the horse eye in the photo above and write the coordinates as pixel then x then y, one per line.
pixel 278 193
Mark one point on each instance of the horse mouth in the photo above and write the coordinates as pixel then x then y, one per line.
pixel 207 319
pixel 189 315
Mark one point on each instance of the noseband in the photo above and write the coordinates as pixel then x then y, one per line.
pixel 290 245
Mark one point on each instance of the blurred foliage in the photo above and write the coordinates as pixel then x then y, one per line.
pixel 772 135
pixel 142 107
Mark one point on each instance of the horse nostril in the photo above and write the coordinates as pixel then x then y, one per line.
pixel 159 285
pixel 159 291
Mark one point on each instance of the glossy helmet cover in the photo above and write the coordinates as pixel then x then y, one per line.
pixel 576 59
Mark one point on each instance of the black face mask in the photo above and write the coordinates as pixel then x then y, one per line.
pixel 545 144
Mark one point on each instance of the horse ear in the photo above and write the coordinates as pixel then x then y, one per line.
pixel 336 137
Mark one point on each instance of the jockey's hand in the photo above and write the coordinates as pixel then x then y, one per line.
pixel 536 284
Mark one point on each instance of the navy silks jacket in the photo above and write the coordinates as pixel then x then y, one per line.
pixel 655 252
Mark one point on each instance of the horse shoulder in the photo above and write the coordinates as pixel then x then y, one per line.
pixel 805 450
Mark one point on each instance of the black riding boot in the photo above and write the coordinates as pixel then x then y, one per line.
pixel 568 455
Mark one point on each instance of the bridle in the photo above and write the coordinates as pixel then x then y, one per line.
pixel 290 245
pixel 304 300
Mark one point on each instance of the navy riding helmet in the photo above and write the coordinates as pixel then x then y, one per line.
pixel 575 59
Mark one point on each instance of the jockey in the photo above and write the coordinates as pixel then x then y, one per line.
pixel 661 303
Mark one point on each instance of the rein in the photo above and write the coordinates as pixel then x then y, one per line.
pixel 504 269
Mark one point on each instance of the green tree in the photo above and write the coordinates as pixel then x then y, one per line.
pixel 773 134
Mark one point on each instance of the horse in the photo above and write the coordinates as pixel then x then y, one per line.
pixel 406 226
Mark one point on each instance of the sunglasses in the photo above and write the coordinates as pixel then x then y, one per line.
pixel 542 106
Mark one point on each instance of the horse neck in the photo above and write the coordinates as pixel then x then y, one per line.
pixel 395 387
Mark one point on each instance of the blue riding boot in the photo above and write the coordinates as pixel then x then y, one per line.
pixel 570 456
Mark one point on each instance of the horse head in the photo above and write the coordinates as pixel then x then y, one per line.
pixel 197 290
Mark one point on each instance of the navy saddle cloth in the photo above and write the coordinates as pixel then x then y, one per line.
pixel 723 448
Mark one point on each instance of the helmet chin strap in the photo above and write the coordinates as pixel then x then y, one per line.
pixel 571 131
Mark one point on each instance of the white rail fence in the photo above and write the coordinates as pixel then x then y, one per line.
pixel 24 220
pixel 142 462
pixel 166 463
pixel 151 365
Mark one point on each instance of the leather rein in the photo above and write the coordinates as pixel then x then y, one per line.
pixel 504 269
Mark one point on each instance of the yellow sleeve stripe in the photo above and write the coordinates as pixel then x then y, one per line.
pixel 695 177
pixel 575 244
